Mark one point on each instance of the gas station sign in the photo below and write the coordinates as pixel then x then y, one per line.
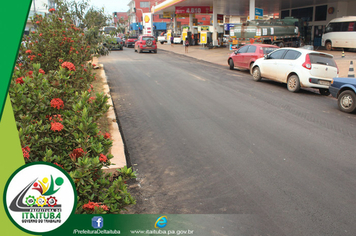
pixel 147 24
pixel 192 10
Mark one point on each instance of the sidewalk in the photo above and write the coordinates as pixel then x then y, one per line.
pixel 220 55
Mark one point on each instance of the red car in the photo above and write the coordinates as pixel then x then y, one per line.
pixel 146 43
pixel 245 56
pixel 130 41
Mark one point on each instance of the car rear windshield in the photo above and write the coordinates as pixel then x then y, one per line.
pixel 146 38
pixel 132 37
pixel 267 50
pixel 323 59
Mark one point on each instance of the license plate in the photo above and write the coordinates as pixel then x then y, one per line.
pixel 327 83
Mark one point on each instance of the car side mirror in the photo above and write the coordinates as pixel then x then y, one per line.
pixel 266 56
pixel 236 52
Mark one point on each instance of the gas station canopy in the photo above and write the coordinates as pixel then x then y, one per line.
pixel 237 7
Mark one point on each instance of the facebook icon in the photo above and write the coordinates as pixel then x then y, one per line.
pixel 97 222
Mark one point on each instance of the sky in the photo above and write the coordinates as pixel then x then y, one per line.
pixel 111 6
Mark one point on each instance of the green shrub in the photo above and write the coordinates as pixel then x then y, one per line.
pixel 56 113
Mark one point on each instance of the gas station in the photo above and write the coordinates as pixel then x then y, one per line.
pixel 315 14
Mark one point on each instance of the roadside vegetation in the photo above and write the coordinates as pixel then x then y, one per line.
pixel 57 108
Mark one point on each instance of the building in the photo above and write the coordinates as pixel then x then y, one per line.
pixel 38 7
pixel 162 22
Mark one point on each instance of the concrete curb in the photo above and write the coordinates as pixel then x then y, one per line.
pixel 117 149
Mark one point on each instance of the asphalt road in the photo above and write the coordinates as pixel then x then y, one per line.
pixel 207 140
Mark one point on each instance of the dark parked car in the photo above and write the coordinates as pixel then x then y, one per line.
pixel 114 44
pixel 344 89
pixel 130 41
pixel 245 56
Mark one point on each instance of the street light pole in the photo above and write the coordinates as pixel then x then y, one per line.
pixel 142 20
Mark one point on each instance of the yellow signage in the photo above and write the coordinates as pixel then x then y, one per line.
pixel 180 15
pixel 203 38
pixel 147 18
pixel 166 15
pixel 169 33
pixel 184 35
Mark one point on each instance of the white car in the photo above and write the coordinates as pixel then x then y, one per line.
pixel 297 68
pixel 177 39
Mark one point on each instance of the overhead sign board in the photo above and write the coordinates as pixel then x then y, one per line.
pixel 180 15
pixel 192 10
pixel 258 11
pixel 166 15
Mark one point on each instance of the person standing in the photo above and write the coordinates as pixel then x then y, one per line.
pixel 172 39
pixel 186 44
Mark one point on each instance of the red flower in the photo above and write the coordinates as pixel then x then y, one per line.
pixel 41 71
pixel 94 65
pixel 19 80
pixel 68 65
pixel 85 70
pixel 30 73
pixel 103 158
pixel 39 54
pixel 31 57
pixel 56 126
pixel 26 152
pixel 106 135
pixel 57 103
pixel 37 22
pixel 55 118
pixel 104 207
pixel 90 205
pixel 52 9
pixel 60 19
pixel 60 60
pixel 58 165
pixel 28 51
pixel 33 32
pixel 41 34
pixel 91 99
pixel 91 86
pixel 76 153
pixel 20 64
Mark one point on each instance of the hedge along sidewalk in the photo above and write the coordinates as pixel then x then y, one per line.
pixel 117 149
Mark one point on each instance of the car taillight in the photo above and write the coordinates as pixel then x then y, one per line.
pixel 307 63
pixel 337 69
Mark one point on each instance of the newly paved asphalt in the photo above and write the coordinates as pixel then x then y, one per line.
pixel 207 140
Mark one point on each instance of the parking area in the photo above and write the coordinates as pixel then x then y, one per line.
pixel 220 55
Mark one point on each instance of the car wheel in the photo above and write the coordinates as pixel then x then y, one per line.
pixel 139 51
pixel 347 101
pixel 155 51
pixel 162 42
pixel 324 92
pixel 256 73
pixel 135 50
pixel 231 63
pixel 251 64
pixel 328 46
pixel 293 83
